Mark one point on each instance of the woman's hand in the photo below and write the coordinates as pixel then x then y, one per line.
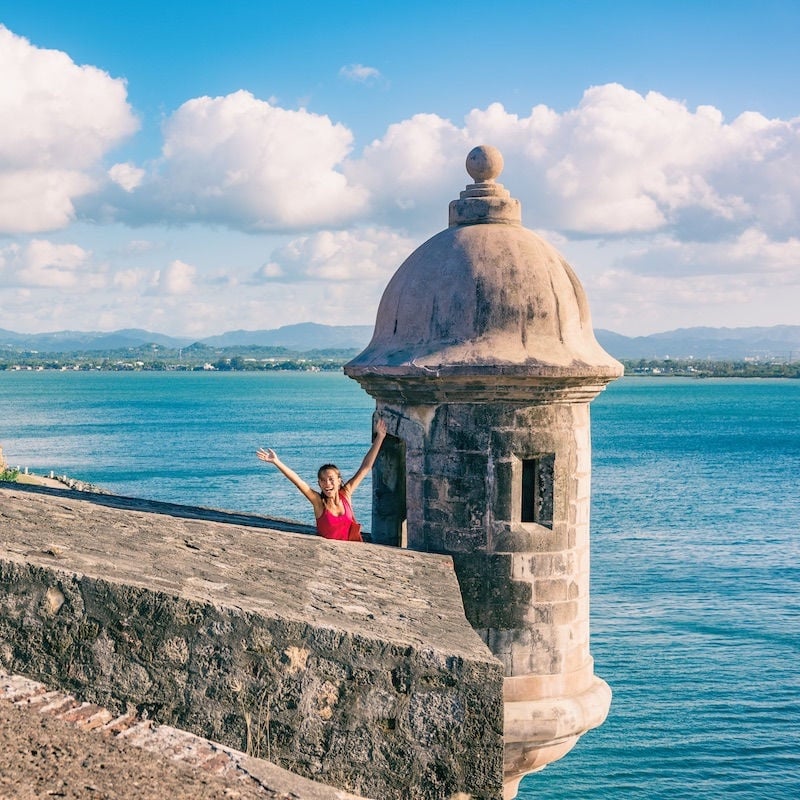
pixel 380 428
pixel 270 456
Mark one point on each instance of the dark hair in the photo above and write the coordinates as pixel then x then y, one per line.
pixel 326 467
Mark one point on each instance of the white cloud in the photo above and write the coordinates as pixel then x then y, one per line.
pixel 754 249
pixel 620 163
pixel 272 270
pixel 126 175
pixel 661 283
pixel 414 171
pixel 40 263
pixel 39 199
pixel 635 304
pixel 60 121
pixel 360 74
pixel 176 279
pixel 338 256
pixel 242 162
pixel 750 252
pixel 128 280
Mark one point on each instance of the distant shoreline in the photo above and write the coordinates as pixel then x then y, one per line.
pixel 54 482
pixel 641 368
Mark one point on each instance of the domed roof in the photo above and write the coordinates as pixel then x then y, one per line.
pixel 485 297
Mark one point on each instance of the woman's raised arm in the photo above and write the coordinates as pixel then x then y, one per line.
pixel 271 457
pixel 369 459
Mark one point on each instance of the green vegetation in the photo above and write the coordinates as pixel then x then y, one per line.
pixel 194 357
pixel 9 475
pixel 695 368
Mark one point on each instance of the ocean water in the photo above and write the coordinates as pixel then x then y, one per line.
pixel 695 531
pixel 188 437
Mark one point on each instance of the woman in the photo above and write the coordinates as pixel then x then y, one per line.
pixel 332 505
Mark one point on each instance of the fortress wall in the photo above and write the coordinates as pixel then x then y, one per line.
pixel 350 664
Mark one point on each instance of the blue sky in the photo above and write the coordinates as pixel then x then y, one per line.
pixel 192 168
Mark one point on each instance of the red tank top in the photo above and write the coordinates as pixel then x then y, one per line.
pixel 330 526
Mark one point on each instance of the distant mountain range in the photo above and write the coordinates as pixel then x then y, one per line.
pixel 778 341
pixel 301 337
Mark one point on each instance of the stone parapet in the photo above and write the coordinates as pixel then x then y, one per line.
pixel 349 664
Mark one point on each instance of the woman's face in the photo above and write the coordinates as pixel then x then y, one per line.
pixel 329 482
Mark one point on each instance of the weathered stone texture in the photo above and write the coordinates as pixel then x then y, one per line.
pixel 470 507
pixel 349 664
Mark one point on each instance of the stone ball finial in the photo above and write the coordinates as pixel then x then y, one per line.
pixel 484 163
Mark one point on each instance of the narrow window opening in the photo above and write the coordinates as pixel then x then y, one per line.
pixel 537 490
pixel 389 494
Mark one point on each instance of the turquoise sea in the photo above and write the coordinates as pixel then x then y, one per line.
pixel 695 542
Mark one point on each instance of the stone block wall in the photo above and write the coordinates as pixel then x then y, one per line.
pixel 525 585
pixel 349 664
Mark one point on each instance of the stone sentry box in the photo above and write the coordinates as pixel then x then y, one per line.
pixel 483 363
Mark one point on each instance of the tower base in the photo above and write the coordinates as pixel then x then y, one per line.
pixel 538 731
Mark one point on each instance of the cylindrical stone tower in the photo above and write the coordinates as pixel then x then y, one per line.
pixel 483 362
